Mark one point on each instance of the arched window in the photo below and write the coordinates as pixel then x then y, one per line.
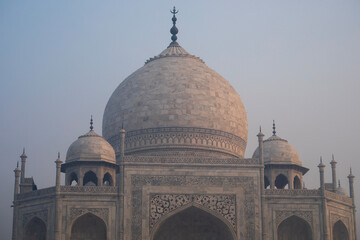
pixel 294 228
pixel 107 180
pixel 73 180
pixel 35 229
pixel 266 182
pixel 281 181
pixel 193 223
pixel 90 179
pixel 297 183
pixel 89 227
pixel 339 231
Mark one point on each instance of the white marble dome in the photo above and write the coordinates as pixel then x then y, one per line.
pixel 278 151
pixel 90 147
pixel 176 101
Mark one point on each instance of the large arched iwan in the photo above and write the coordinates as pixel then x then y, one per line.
pixel 340 231
pixel 193 223
pixel 89 227
pixel 35 229
pixel 294 228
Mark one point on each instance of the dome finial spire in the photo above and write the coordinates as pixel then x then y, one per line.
pixel 274 128
pixel 91 123
pixel 174 29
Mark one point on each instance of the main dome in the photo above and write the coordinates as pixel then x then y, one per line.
pixel 176 102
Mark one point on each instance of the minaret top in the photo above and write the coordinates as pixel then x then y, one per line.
pixel 23 155
pixel 174 29
pixel 321 165
pixel 333 162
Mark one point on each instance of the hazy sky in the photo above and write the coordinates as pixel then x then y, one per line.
pixel 297 62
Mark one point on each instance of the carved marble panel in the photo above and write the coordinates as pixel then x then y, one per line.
pixel 246 183
pixel 281 215
pixel 42 214
pixel 336 217
pixel 162 204
pixel 103 213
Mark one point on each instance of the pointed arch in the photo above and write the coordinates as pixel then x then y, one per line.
pixel 266 182
pixel 340 231
pixel 35 229
pixel 90 179
pixel 294 228
pixel 89 227
pixel 108 180
pixel 297 183
pixel 193 221
pixel 73 179
pixel 281 181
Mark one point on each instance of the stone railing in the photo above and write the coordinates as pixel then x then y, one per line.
pixel 88 189
pixel 337 197
pixel 293 192
pixel 36 193
pixel 67 189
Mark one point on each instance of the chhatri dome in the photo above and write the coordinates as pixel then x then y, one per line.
pixel 176 102
pixel 90 147
pixel 278 151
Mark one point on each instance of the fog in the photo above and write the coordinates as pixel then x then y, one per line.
pixel 295 62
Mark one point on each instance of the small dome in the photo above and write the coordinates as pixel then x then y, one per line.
pixel 340 190
pixel 90 147
pixel 278 151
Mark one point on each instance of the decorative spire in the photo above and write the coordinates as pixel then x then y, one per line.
pixel 260 134
pixel 339 183
pixel 174 29
pixel 23 155
pixel 17 165
pixel 333 160
pixel 274 128
pixel 351 174
pixel 59 155
pixel 321 165
pixel 91 123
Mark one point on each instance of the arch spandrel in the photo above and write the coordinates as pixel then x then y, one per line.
pixel 164 227
pixel 163 205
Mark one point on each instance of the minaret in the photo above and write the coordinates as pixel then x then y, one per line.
pixel 17 172
pixel 120 182
pixel 122 142
pixel 57 200
pixel 58 171
pixel 23 162
pixel 333 171
pixel 261 162
pixel 351 186
pixel 321 167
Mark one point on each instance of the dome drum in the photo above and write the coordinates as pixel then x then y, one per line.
pixel 181 139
